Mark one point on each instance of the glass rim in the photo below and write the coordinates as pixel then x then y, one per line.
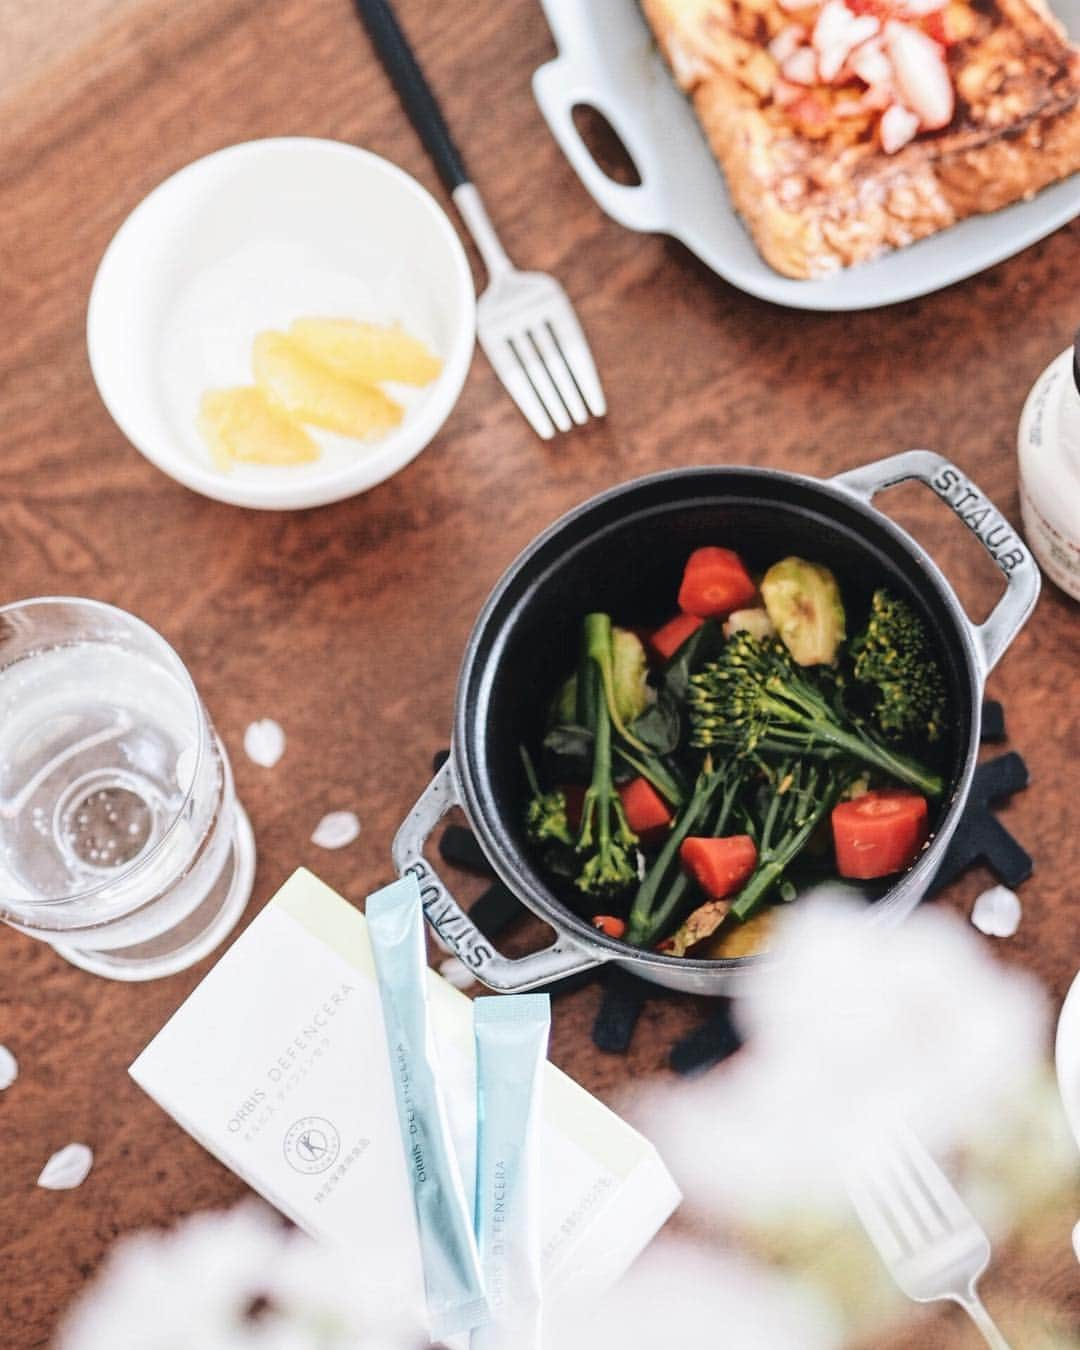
pixel 204 729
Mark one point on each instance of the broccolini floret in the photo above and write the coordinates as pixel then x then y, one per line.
pixel 756 701
pixel 545 815
pixel 895 656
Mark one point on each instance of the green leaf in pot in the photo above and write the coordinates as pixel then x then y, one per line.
pixel 702 645
pixel 659 727
pixel 568 752
pixel 563 709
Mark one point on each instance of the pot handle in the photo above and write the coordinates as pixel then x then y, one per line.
pixel 450 922
pixel 986 523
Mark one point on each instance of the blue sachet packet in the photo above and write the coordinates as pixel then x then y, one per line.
pixel 452 1276
pixel 511 1036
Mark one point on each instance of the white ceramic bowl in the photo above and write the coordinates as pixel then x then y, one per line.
pixel 252 237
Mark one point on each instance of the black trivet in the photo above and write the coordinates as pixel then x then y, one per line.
pixel 979 836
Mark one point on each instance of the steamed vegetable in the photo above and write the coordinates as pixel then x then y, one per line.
pixel 894 657
pixel 719 866
pixel 646 811
pixel 754 621
pixel 803 793
pixel 803 601
pixel 715 582
pixel 800 794
pixel 604 836
pixel 879 832
pixel 662 895
pixel 629 669
pixel 667 640
pixel 546 815
pixel 686 800
pixel 754 700
pixel 610 925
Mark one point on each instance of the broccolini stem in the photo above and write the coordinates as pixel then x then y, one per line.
pixel 802 809
pixel 653 770
pixel 530 772
pixel 648 919
pixel 610 868
pixel 598 645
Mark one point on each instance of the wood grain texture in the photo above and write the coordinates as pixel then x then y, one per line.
pixel 347 624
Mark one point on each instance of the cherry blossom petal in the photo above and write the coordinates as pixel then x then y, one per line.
pixel 264 742
pixel 67 1168
pixel 336 829
pixel 997 912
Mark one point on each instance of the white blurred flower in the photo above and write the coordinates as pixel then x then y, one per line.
pixel 688 1296
pixel 233 1281
pixel 851 1028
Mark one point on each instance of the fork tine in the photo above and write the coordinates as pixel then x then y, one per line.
pixel 912 1200
pixel 544 341
pixel 571 340
pixel 509 370
pixel 873 1214
pixel 939 1191
pixel 541 381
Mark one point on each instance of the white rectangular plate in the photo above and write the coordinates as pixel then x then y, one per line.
pixel 608 60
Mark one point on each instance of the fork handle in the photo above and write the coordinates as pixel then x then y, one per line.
pixel 415 93
pixel 972 1305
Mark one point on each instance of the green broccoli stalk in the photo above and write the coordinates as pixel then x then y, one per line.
pixel 604 833
pixel 665 886
pixel 653 770
pixel 545 815
pixel 895 656
pixel 804 792
pixel 756 701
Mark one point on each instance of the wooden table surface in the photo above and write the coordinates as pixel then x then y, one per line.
pixel 346 624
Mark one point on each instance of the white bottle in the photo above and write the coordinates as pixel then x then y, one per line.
pixel 1049 447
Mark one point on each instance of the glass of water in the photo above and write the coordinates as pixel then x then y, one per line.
pixel 121 840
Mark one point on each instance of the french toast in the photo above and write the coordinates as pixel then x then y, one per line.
pixel 846 128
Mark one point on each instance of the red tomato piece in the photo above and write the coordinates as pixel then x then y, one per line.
pixel 880 832
pixel 646 811
pixel 715 582
pixel 609 925
pixel 667 640
pixel 719 866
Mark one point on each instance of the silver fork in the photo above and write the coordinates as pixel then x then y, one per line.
pixel 525 321
pixel 927 1237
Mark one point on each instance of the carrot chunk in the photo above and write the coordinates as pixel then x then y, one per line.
pixel 879 833
pixel 714 583
pixel 667 640
pixel 719 866
pixel 646 811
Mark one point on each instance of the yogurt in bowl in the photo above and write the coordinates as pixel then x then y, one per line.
pixel 251 238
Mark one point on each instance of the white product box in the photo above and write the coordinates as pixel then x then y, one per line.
pixel 277 1064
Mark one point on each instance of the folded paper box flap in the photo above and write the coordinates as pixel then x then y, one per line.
pixel 277 1064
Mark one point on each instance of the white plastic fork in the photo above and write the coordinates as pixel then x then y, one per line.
pixel 927 1237
pixel 525 321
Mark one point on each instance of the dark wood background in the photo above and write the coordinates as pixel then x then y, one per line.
pixel 347 623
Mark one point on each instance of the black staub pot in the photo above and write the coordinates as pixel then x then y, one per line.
pixel 624 551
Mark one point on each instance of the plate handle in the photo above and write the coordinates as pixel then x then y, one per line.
pixel 450 922
pixel 986 523
pixel 560 87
